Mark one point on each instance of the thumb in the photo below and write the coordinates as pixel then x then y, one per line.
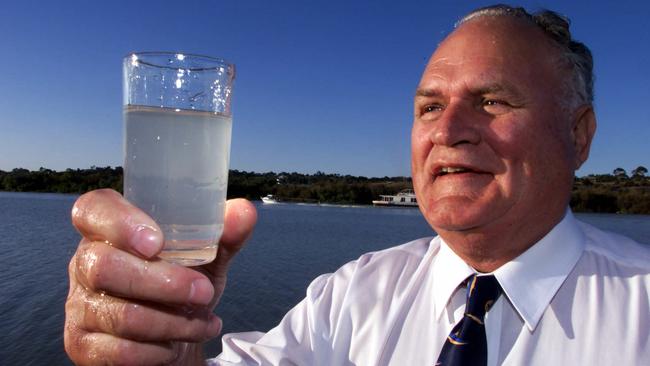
pixel 239 222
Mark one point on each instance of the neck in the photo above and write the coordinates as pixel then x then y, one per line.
pixel 487 249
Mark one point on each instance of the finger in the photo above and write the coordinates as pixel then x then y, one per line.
pixel 102 349
pixel 104 215
pixel 145 321
pixel 239 222
pixel 103 268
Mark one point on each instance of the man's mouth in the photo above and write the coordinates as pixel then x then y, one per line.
pixel 451 170
pixel 447 170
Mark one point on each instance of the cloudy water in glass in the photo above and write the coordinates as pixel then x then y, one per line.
pixel 176 170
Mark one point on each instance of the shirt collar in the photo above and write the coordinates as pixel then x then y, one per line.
pixel 531 280
pixel 449 270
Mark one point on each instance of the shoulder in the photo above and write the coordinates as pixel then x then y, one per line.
pixel 615 249
pixel 411 252
pixel 379 269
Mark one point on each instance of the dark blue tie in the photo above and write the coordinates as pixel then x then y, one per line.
pixel 466 344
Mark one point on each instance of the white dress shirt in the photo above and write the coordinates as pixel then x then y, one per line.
pixel 580 296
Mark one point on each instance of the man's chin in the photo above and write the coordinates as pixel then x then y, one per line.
pixel 456 227
pixel 455 219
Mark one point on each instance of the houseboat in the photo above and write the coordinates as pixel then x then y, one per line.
pixel 405 198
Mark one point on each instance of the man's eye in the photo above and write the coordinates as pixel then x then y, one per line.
pixel 432 108
pixel 495 106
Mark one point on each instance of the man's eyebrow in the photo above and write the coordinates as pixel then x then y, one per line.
pixel 427 92
pixel 487 88
pixel 502 88
pixel 490 88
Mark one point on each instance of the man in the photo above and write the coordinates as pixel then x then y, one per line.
pixel 503 118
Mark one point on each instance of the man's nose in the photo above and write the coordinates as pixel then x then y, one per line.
pixel 458 124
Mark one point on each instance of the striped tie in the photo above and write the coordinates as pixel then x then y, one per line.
pixel 466 344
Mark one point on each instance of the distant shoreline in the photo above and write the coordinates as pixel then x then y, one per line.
pixel 602 193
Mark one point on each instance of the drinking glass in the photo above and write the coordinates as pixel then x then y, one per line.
pixel 177 130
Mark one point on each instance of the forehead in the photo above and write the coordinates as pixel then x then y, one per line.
pixel 493 50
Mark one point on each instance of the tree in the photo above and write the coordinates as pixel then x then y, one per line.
pixel 640 171
pixel 620 172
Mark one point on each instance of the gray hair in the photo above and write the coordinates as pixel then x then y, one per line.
pixel 574 54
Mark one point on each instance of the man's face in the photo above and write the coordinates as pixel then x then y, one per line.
pixel 492 145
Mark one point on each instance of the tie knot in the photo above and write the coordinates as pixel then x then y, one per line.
pixel 482 292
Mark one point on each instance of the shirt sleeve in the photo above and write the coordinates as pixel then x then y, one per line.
pixel 303 337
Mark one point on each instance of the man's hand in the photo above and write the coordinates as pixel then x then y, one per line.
pixel 127 307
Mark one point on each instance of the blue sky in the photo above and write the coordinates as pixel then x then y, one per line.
pixel 321 85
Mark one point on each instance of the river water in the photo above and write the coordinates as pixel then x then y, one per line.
pixel 292 244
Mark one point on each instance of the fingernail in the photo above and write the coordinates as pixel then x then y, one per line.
pixel 201 292
pixel 146 240
pixel 214 328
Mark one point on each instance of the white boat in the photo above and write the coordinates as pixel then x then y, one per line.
pixel 405 198
pixel 269 199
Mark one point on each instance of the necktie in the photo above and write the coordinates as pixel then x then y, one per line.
pixel 466 344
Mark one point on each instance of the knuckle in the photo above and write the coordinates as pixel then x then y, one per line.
pixel 71 311
pixel 79 208
pixel 85 208
pixel 95 265
pixel 83 204
pixel 89 313
pixel 77 313
pixel 94 349
pixel 72 341
pixel 73 285
pixel 72 266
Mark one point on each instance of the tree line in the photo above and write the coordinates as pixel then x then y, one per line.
pixel 606 193
pixel 613 193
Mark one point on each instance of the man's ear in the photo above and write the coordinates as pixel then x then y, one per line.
pixel 584 128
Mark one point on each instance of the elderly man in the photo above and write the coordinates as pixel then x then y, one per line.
pixel 503 118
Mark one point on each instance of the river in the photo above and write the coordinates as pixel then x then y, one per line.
pixel 291 245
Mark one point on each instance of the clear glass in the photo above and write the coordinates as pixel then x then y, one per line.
pixel 177 129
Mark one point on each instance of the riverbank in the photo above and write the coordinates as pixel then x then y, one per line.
pixel 594 193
